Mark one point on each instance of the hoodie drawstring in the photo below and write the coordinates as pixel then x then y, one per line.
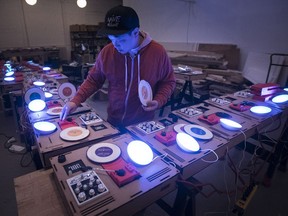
pixel 131 80
pixel 126 73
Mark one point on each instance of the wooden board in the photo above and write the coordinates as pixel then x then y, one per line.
pixel 37 194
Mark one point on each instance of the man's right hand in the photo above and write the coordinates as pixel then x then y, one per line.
pixel 67 109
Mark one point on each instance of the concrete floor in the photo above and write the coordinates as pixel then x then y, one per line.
pixel 267 201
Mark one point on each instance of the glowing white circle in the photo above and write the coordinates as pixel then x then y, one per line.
pixel 9 79
pixel 31 2
pixel 187 142
pixel 9 73
pixel 38 83
pixel 44 127
pixel 48 95
pixel 140 152
pixel 36 105
pixel 230 124
pixel 46 68
pixel 81 3
pixel 260 109
pixel 280 98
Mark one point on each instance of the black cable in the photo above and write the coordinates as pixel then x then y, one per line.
pixel 23 157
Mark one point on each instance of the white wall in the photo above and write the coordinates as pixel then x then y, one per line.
pixel 254 25
pixel 46 23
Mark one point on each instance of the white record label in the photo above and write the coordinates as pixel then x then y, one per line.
pixel 145 92
pixel 54 111
pixel 66 90
pixel 34 93
pixel 103 152
pixel 74 133
pixel 198 132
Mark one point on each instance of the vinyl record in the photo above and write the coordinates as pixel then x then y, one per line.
pixel 34 93
pixel 66 90
pixel 74 133
pixel 145 92
pixel 198 132
pixel 103 152
pixel 54 111
pixel 179 128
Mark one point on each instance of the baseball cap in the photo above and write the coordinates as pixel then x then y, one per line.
pixel 120 20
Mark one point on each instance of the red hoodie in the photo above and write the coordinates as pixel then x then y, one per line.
pixel 124 73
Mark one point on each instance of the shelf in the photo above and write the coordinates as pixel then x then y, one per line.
pixel 86 35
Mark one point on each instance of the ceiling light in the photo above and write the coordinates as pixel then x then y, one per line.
pixel 31 2
pixel 81 3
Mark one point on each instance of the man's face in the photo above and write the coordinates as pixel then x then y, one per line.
pixel 125 42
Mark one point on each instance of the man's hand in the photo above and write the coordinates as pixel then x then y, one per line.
pixel 67 109
pixel 151 105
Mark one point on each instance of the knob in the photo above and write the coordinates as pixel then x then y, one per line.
pixel 91 192
pixel 81 196
pixel 101 188
pixel 85 187
pixel 61 158
pixel 77 190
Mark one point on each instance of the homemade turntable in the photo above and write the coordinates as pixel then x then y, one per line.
pixel 71 134
pixel 211 119
pixel 163 139
pixel 53 110
pixel 261 112
pixel 53 107
pixel 114 186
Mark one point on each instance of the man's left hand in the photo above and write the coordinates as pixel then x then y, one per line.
pixel 151 105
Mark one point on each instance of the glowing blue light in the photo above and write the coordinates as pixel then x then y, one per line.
pixel 38 83
pixel 285 89
pixel 9 79
pixel 230 124
pixel 44 127
pixel 260 110
pixel 280 98
pixel 36 105
pixel 46 69
pixel 187 143
pixel 11 73
pixel 140 152
pixel 48 95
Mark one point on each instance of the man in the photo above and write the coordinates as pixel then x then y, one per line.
pixel 131 57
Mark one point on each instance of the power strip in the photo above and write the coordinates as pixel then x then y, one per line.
pixel 248 194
